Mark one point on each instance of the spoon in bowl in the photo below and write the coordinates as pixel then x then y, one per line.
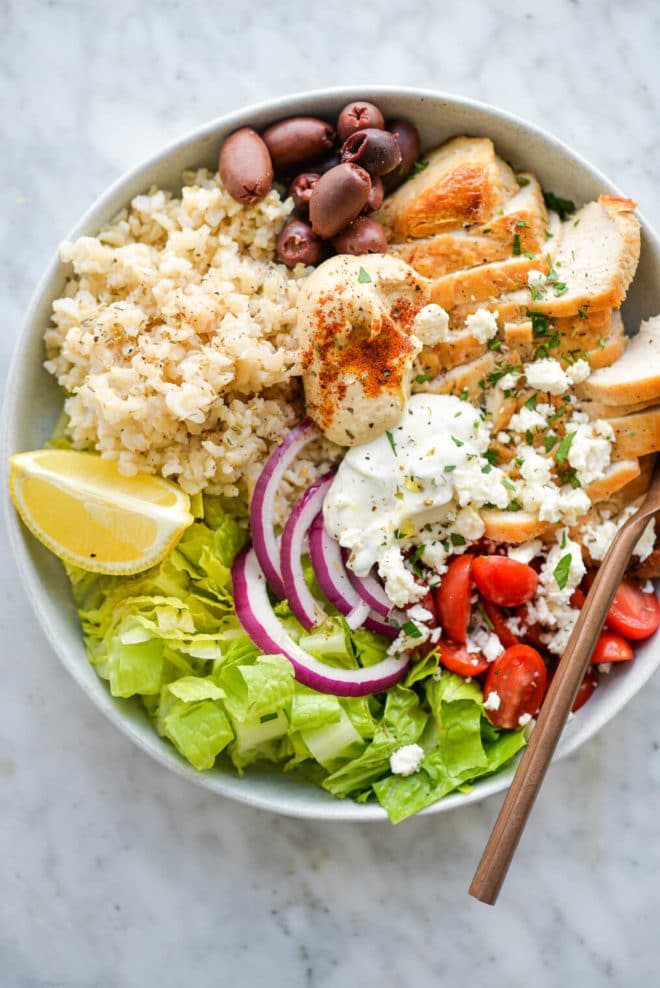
pixel 536 757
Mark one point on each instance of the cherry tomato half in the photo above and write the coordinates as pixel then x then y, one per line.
pixel 504 581
pixel 634 613
pixel 611 648
pixel 498 621
pixel 452 598
pixel 455 657
pixel 428 603
pixel 518 678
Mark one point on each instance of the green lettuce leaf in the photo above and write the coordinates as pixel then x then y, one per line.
pixel 190 714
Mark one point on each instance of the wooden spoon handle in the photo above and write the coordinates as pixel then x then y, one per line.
pixel 536 757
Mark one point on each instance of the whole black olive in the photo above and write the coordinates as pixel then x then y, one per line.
pixel 375 150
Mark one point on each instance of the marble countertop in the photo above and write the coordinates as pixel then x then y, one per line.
pixel 115 872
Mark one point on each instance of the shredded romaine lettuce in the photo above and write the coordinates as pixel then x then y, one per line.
pixel 171 636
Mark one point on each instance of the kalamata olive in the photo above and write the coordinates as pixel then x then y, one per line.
pixel 326 164
pixel 407 137
pixel 362 236
pixel 376 196
pixel 298 244
pixel 301 191
pixel 245 166
pixel 337 198
pixel 375 150
pixel 358 116
pixel 297 140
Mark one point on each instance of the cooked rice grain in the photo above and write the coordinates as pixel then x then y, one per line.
pixel 175 337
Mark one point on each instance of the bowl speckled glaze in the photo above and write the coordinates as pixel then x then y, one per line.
pixel 33 402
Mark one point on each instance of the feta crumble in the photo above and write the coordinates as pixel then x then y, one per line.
pixel 431 325
pixel 482 324
pixel 492 701
pixel 547 375
pixel 524 719
pixel 407 759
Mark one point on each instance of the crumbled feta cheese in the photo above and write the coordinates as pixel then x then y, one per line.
pixel 578 372
pixel 535 469
pixel 648 587
pixel 476 488
pixel 469 524
pixel 524 719
pixel 400 584
pixel 547 375
pixel 646 544
pixel 598 534
pixel 482 640
pixel 508 382
pixel 551 607
pixel 431 325
pixel 492 701
pixel 419 614
pixel 526 551
pixel 591 451
pixel 605 667
pixel 407 759
pixel 527 419
pixel 435 557
pixel 482 324
pixel 504 438
pixel 515 626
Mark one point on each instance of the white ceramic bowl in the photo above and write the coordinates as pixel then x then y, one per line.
pixel 33 403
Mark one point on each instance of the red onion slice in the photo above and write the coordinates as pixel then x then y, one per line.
pixel 356 617
pixel 369 588
pixel 333 577
pixel 260 622
pixel 308 610
pixel 262 506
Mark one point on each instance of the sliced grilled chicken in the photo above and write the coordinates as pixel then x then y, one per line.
pixel 575 332
pixel 523 221
pixel 637 434
pixel 486 281
pixel 464 183
pixel 635 377
pixel 465 378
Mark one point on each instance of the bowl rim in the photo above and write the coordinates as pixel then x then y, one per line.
pixel 339 810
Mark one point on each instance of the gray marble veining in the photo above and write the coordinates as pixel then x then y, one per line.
pixel 113 872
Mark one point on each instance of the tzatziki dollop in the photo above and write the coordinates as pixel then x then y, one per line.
pixel 418 485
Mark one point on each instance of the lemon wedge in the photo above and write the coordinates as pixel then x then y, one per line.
pixel 91 516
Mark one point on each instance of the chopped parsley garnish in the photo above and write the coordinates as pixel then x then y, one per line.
pixel 486 229
pixel 492 456
pixel 487 468
pixel 557 415
pixel 582 311
pixel 449 467
pixel 522 223
pixel 507 483
pixel 560 288
pixel 602 343
pixel 531 403
pixel 421 165
pixel 540 322
pixel 559 205
pixel 457 442
pixel 563 540
pixel 516 245
pixel 562 569
pixel 482 611
pixel 457 538
pixel 463 395
pixel 572 479
pixel 411 629
pixel 564 448
pixel 423 378
pixel 515 506
pixel 522 181
pixel 390 439
pixel 549 441
pixel 363 276
pixel 529 437
pixel 495 344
